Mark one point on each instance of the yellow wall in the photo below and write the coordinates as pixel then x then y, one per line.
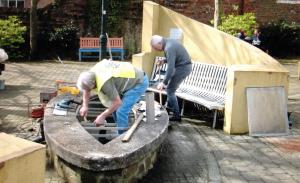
pixel 239 78
pixel 208 45
pixel 21 160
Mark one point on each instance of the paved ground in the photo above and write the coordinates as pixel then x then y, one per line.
pixel 193 152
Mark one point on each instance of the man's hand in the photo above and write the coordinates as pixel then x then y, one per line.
pixel 100 120
pixel 85 103
pixel 161 86
pixel 159 62
pixel 83 111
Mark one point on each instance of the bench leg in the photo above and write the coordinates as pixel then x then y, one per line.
pixel 79 55
pixel 215 118
pixel 182 108
pixel 122 55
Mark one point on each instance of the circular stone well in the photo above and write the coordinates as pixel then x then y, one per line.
pixel 80 157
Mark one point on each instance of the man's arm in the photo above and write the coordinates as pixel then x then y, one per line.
pixel 171 57
pixel 85 103
pixel 110 90
pixel 116 103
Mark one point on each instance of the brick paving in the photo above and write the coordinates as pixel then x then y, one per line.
pixel 193 151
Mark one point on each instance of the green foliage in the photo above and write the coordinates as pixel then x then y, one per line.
pixel 115 16
pixel 232 24
pixel 282 39
pixel 64 39
pixel 93 17
pixel 65 36
pixel 119 13
pixel 132 34
pixel 12 36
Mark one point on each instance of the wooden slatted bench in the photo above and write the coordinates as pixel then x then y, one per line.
pixel 206 85
pixel 91 45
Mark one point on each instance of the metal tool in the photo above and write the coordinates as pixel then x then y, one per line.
pixel 160 94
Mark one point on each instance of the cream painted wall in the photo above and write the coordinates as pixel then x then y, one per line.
pixel 205 44
pixel 239 78
pixel 21 160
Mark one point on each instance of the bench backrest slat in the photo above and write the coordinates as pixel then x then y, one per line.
pixel 212 78
pixel 207 80
pixel 155 72
pixel 89 42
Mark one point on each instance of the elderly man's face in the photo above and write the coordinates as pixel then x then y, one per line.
pixel 157 47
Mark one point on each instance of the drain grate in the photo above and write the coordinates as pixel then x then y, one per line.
pixel 106 132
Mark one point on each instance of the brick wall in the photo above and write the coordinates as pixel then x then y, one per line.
pixel 265 10
pixel 41 3
pixel 268 11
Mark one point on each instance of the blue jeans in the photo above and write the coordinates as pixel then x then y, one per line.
pixel 129 98
pixel 179 75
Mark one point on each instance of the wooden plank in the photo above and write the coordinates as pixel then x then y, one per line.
pixel 129 133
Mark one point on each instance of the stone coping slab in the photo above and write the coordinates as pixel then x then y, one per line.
pixel 71 142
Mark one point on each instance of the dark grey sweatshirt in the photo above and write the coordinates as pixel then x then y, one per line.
pixel 176 56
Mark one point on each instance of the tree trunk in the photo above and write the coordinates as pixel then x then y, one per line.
pixel 217 18
pixel 33 29
pixel 241 10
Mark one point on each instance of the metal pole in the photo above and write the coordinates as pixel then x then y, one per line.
pixel 103 38
pixel 150 110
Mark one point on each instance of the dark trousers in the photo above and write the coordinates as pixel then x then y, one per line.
pixel 179 75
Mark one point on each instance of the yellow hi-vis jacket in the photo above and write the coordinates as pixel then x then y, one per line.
pixel 106 69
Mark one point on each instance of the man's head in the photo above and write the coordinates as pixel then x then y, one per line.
pixel 86 81
pixel 156 42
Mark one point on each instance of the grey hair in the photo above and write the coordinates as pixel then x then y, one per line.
pixel 86 81
pixel 156 39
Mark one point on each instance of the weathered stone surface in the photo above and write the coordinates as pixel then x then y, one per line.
pixel 71 143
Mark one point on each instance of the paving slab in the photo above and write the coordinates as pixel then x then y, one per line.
pixel 193 151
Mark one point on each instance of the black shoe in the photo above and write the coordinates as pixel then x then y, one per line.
pixel 175 118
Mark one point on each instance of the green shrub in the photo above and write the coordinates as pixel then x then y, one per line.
pixel 282 39
pixel 12 36
pixel 64 40
pixel 232 24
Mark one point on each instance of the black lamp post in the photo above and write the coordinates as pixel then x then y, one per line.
pixel 103 38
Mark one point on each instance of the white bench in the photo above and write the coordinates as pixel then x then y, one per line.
pixel 206 85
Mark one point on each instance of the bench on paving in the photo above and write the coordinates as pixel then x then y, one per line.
pixel 206 85
pixel 92 45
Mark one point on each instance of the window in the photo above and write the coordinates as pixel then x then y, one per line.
pixel 289 1
pixel 12 3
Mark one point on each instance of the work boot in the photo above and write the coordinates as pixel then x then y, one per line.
pixel 175 118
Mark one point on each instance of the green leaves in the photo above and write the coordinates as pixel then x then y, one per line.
pixel 65 36
pixel 11 35
pixel 232 24
pixel 282 39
